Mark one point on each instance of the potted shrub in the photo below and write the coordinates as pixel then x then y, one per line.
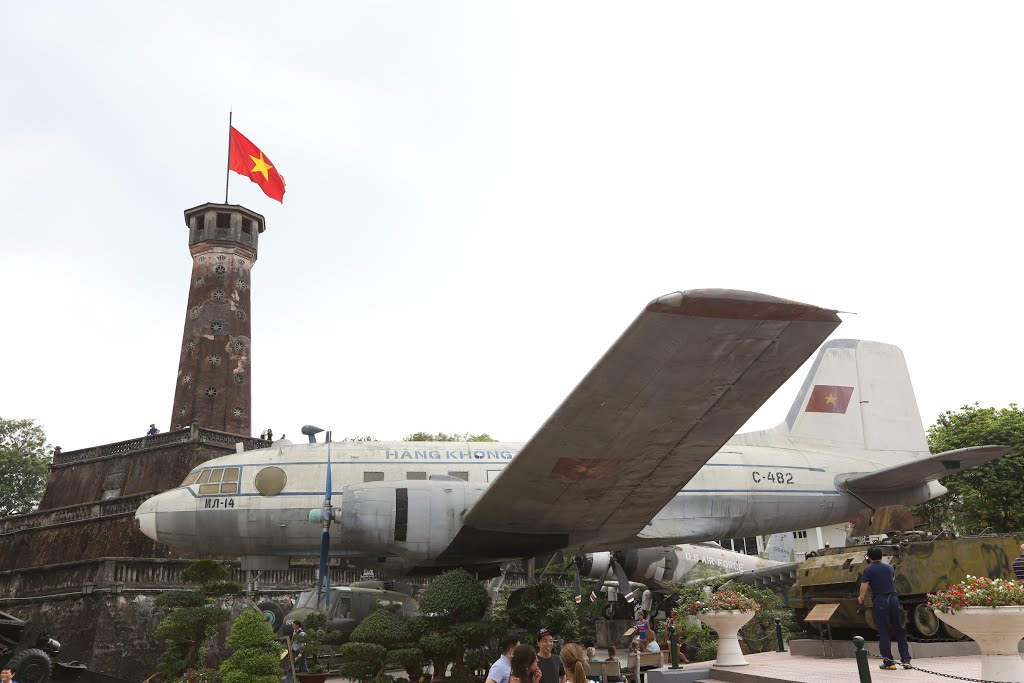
pixel 991 612
pixel 725 612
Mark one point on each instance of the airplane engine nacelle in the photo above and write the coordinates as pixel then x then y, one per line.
pixel 595 565
pixel 414 520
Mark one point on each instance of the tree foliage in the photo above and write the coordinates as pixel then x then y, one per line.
pixel 381 638
pixel 255 658
pixel 23 461
pixel 195 615
pixel 453 623
pixel 987 496
pixel 545 605
pixel 454 436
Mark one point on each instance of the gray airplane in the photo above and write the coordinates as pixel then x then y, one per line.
pixel 642 453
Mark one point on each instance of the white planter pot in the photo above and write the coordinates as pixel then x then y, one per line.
pixel 727 625
pixel 997 631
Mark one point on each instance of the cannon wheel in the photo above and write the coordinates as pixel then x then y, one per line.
pixel 923 621
pixel 32 665
pixel 273 613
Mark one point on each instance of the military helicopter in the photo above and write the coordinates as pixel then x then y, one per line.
pixel 347 607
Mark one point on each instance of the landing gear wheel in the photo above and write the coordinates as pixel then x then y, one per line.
pixel 273 614
pixel 923 621
pixel 32 665
pixel 608 612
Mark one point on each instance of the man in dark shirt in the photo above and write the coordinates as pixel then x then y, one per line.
pixel 550 667
pixel 885 607
pixel 1018 565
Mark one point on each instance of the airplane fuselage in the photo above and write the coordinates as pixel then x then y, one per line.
pixel 395 517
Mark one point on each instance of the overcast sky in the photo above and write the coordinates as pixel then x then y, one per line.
pixel 481 196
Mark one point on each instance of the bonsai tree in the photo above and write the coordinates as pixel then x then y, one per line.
pixel 195 616
pixel 313 640
pixel 543 605
pixel 255 658
pixel 452 622
pixel 380 639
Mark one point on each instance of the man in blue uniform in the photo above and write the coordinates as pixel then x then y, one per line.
pixel 885 606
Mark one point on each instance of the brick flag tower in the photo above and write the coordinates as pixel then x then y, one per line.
pixel 214 382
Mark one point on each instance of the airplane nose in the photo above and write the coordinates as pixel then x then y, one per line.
pixel 145 518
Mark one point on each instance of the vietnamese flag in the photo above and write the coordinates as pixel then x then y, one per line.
pixel 827 398
pixel 246 159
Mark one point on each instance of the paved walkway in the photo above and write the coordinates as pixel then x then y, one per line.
pixel 781 666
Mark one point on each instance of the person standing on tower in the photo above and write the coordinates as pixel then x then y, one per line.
pixel 153 431
pixel 270 434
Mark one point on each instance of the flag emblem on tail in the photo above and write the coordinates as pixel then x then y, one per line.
pixel 826 398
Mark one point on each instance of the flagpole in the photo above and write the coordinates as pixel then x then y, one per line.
pixel 227 175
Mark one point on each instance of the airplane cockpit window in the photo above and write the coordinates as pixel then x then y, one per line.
pixel 218 481
pixel 270 481
pixel 190 479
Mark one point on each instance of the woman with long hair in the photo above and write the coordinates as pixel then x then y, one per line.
pixel 574 661
pixel 524 665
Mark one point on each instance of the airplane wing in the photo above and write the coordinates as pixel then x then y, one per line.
pixel 679 382
pixel 923 470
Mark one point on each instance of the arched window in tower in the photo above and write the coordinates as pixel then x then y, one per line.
pixel 191 345
pixel 220 269
pixel 217 295
pixel 239 346
pixel 213 360
pixel 240 284
pixel 240 314
pixel 199 282
pixel 237 412
pixel 194 313
pixel 186 378
pixel 239 378
pixel 216 327
pixel 211 392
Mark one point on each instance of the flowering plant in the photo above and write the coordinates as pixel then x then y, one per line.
pixel 978 591
pixel 724 601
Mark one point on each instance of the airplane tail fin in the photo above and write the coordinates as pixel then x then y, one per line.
pixel 858 394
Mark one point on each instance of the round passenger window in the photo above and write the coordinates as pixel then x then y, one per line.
pixel 270 481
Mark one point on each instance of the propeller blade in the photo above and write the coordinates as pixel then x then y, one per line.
pixel 325 547
pixel 579 589
pixel 327 495
pixel 325 537
pixel 624 587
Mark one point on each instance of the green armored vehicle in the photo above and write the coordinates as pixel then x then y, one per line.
pixel 924 563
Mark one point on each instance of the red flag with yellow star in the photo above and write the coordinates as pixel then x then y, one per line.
pixel 246 159
pixel 826 398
